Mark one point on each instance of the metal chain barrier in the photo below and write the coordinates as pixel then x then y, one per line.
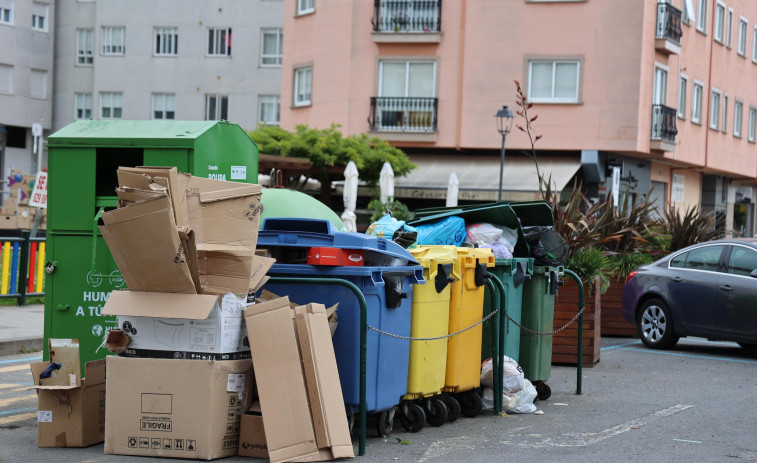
pixel 546 333
pixel 408 338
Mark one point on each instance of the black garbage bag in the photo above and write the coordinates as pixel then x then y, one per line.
pixel 546 246
pixel 405 237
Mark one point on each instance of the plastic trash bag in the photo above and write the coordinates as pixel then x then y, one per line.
pixel 512 375
pixel 396 230
pixel 482 233
pixel 522 401
pixel 546 246
pixel 518 393
pixel 450 231
pixel 499 250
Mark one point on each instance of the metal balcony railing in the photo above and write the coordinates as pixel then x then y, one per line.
pixel 664 123
pixel 403 114
pixel 415 16
pixel 669 22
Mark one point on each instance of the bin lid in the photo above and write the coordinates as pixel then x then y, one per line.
pixel 307 233
pixel 485 255
pixel 442 254
pixel 282 202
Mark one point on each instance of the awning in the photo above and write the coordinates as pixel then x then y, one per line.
pixel 479 176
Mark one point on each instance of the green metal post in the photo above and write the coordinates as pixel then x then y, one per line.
pixel 496 371
pixel 502 322
pixel 579 363
pixel 23 267
pixel 363 338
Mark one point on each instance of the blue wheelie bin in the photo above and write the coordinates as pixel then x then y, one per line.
pixel 383 271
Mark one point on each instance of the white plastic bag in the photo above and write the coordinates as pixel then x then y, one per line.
pixel 482 233
pixel 512 376
pixel 524 400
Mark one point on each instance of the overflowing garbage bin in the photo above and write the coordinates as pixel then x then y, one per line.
pixel 384 272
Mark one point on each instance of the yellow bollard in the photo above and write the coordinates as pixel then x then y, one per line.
pixel 40 267
pixel 6 267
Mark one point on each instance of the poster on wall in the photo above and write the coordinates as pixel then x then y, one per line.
pixel 677 189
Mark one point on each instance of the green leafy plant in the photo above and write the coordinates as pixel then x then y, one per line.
pixel 690 226
pixel 590 264
pixel 398 210
pixel 620 265
pixel 403 441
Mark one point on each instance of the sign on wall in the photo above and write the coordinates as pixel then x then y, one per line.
pixel 677 189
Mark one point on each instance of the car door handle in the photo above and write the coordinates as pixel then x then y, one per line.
pixel 676 279
pixel 726 287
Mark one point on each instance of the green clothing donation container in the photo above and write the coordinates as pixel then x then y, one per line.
pixel 83 159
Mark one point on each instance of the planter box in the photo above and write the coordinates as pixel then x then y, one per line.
pixel 564 343
pixel 613 323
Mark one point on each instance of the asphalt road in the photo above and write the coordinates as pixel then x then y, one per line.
pixel 696 403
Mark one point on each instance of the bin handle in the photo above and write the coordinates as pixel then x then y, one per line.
pixel 94 240
pixel 442 278
pixel 481 274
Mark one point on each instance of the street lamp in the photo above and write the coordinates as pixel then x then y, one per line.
pixel 504 125
pixel 3 141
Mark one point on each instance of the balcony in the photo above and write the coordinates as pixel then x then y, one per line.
pixel 663 128
pixel 414 21
pixel 668 39
pixel 404 118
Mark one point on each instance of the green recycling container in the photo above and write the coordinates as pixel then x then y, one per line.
pixel 513 273
pixel 83 159
pixel 538 314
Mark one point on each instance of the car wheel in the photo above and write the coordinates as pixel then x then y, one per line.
pixel 655 325
pixel 748 346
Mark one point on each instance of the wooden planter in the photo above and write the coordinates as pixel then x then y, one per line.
pixel 613 323
pixel 564 343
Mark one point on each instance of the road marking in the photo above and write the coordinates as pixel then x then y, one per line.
pixel 17 411
pixel 14 368
pixel 619 346
pixel 4 420
pixel 13 400
pixel 677 354
pixel 690 441
pixel 25 359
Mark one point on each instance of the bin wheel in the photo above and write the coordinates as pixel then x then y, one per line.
pixel 384 423
pixel 471 404
pixel 412 417
pixel 436 412
pixel 543 391
pixel 453 408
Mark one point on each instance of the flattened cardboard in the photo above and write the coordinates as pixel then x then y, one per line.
pixel 175 408
pixel 224 269
pixel 175 188
pixel 71 416
pixel 187 238
pixel 66 353
pixel 260 266
pixel 281 387
pixel 146 247
pixel 186 326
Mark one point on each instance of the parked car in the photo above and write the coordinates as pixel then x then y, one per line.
pixel 707 290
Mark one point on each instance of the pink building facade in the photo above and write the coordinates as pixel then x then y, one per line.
pixel 664 91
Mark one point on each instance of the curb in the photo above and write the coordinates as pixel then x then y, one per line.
pixel 20 346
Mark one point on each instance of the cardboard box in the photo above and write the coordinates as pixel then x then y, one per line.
pixel 8 221
pixel 147 248
pixel 175 408
pixel 297 382
pixel 252 435
pixel 176 189
pixel 180 326
pixel 71 410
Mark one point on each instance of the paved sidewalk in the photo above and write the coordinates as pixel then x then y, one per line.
pixel 21 328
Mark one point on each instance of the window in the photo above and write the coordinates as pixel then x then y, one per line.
pixel 219 41
pixel 754 45
pixel 166 41
pixel 83 106
pixel 553 81
pixel 704 258
pixel 719 23
pixel 303 84
pixel 6 78
pixel 271 53
pixel 216 108
pixel 702 16
pixel 111 105
pixel 6 11
pixel 696 102
pixel 742 36
pixel 738 115
pixel 714 108
pixel 85 46
pixel 39 17
pixel 163 106
pixel 683 84
pixel 113 40
pixel 729 28
pixel 660 90
pixel 686 14
pixel 743 261
pixel 38 84
pixel 724 127
pixel 269 110
pixel 678 261
pixel 752 129
pixel 305 6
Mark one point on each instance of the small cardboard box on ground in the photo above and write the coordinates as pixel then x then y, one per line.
pixel 71 411
pixel 252 435
pixel 175 408
pixel 303 412
pixel 181 326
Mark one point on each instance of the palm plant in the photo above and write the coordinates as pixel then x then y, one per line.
pixel 690 226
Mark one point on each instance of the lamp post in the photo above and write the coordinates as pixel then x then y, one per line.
pixel 504 125
pixel 3 141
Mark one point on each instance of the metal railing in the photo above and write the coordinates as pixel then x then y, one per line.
pixel 664 123
pixel 413 16
pixel 669 22
pixel 22 272
pixel 403 114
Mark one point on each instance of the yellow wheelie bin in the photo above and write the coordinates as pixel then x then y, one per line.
pixel 466 308
pixel 429 319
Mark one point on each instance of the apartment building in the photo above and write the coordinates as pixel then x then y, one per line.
pixel 168 59
pixel 26 79
pixel 629 94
